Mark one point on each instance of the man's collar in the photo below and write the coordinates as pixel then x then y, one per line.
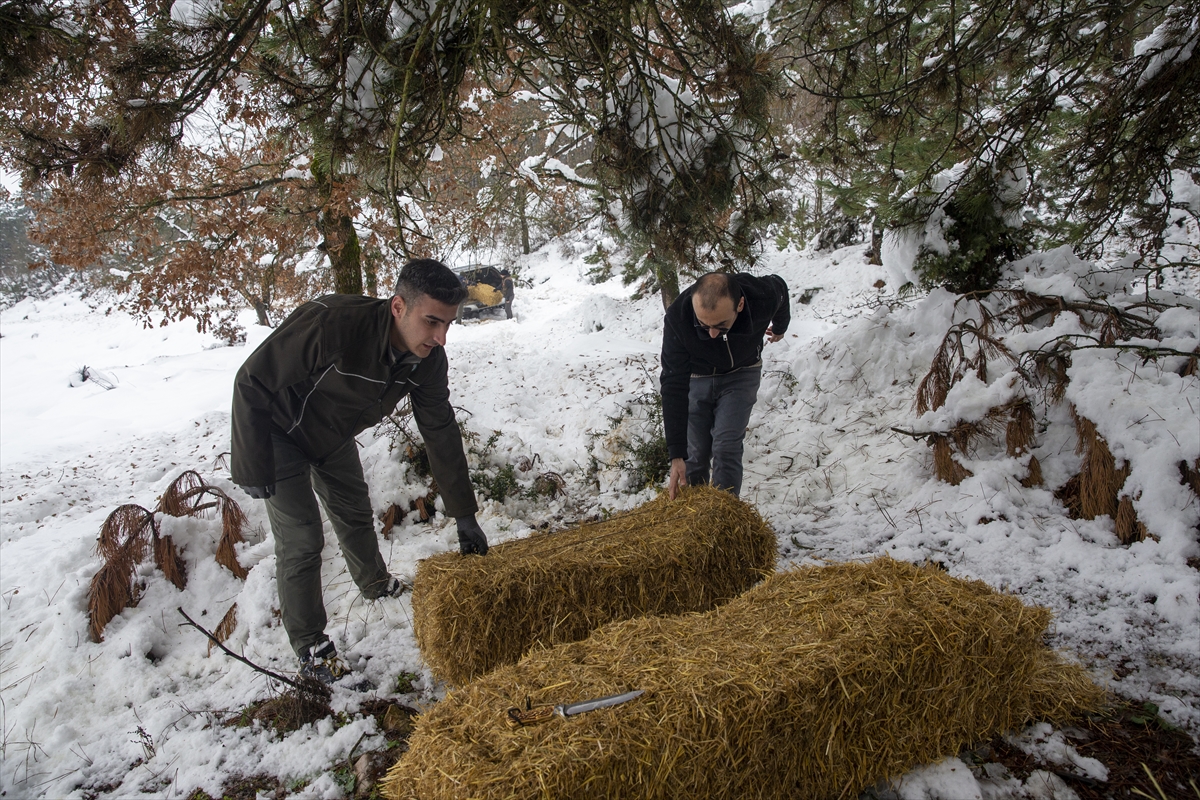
pixel 400 357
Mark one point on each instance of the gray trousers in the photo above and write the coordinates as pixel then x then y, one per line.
pixel 719 409
pixel 299 536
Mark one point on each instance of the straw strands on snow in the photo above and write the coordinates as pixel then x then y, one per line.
pixel 473 614
pixel 816 683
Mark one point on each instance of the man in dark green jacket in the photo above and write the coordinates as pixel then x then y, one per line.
pixel 332 369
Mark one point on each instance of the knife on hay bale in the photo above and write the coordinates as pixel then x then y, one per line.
pixel 518 718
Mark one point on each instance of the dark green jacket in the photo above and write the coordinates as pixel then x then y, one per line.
pixel 326 374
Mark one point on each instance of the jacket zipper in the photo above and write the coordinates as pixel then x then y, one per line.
pixel 729 350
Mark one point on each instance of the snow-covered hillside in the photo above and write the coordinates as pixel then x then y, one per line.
pixel 134 716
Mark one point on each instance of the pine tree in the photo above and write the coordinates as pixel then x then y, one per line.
pixel 1079 109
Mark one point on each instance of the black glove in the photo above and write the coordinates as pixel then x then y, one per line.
pixel 259 492
pixel 470 536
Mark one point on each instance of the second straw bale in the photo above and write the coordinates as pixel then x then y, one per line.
pixel 471 614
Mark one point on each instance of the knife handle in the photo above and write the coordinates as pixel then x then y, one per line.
pixel 518 718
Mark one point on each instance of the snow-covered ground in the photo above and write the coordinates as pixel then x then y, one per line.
pixel 134 716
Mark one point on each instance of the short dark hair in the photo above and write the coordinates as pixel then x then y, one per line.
pixel 716 286
pixel 426 276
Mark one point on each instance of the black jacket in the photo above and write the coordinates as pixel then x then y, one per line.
pixel 326 374
pixel 688 350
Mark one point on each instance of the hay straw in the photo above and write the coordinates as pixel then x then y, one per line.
pixel 473 614
pixel 817 683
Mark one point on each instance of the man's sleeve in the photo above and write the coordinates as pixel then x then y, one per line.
pixel 288 356
pixel 443 440
pixel 674 384
pixel 783 314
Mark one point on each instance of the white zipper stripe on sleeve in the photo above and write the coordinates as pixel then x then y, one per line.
pixel 356 375
pixel 304 405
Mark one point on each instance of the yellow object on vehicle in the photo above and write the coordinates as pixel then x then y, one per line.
pixel 485 294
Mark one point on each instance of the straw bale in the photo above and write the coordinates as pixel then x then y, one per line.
pixel 473 614
pixel 816 683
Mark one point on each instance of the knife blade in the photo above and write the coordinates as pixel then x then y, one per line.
pixel 532 716
pixel 600 702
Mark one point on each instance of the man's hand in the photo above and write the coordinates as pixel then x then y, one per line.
pixel 678 476
pixel 772 336
pixel 470 536
pixel 260 492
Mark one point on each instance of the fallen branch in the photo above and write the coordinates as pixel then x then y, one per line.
pixel 300 687
pixel 914 434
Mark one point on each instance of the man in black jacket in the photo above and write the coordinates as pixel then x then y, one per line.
pixel 711 367
pixel 332 369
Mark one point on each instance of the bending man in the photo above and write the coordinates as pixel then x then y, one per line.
pixel 711 367
pixel 332 369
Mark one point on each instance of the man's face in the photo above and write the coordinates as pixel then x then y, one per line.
pixel 422 326
pixel 717 321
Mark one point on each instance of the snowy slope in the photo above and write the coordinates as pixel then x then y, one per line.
pixel 134 716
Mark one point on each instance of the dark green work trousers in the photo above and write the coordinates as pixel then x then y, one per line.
pixel 299 536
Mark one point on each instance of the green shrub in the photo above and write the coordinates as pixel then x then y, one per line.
pixel 981 241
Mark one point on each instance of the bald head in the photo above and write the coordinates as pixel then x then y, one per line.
pixel 716 303
pixel 713 289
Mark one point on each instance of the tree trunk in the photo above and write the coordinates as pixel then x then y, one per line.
pixel 521 200
pixel 370 266
pixel 262 302
pixel 667 276
pixel 875 256
pixel 345 256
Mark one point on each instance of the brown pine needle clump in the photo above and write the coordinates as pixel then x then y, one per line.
pixel 190 496
pixel 1101 482
pixel 816 683
pixel 111 592
pixel 131 532
pixel 473 614
pixel 945 466
pixel 126 536
pixel 225 627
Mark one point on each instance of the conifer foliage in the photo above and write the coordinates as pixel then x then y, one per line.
pixel 964 114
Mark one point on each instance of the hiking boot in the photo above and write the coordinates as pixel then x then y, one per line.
pixel 396 586
pixel 321 663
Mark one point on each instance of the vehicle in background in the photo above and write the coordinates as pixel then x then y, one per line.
pixel 487 287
